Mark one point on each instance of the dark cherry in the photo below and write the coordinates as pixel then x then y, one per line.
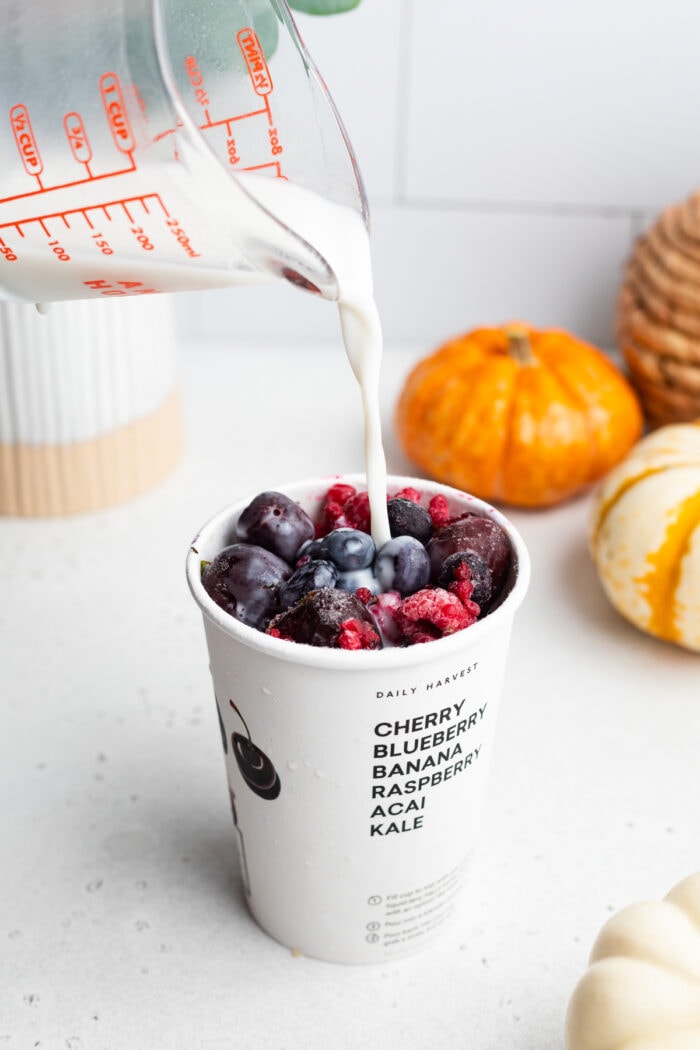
pixel 473 532
pixel 317 618
pixel 244 580
pixel 275 522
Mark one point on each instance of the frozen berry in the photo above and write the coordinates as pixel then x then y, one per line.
pixel 357 513
pixel 333 518
pixel 244 580
pixel 402 565
pixel 318 618
pixel 467 565
pixel 340 493
pixel 332 508
pixel 408 493
pixel 472 532
pixel 357 634
pixel 307 577
pixel 274 521
pixel 408 518
pixel 433 613
pixel 348 549
pixel 463 590
pixel 439 510
pixel 358 580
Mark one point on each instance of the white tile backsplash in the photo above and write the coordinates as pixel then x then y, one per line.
pixel 439 273
pixel 588 105
pixel 511 153
pixel 358 58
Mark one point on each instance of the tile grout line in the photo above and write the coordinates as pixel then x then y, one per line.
pixel 506 207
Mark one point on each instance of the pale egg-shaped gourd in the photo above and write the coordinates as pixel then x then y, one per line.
pixel 645 535
pixel 642 988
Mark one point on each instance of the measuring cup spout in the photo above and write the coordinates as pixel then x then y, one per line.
pixel 149 144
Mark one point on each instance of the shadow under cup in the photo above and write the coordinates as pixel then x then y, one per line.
pixel 356 778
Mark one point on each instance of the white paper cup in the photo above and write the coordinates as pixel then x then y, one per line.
pixel 371 766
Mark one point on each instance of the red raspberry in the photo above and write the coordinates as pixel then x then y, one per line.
pixel 364 594
pixel 357 512
pixel 340 493
pixel 333 509
pixel 463 587
pixel 408 493
pixel 333 518
pixel 439 510
pixel 433 613
pixel 354 634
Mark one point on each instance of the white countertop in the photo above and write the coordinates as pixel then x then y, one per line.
pixel 122 922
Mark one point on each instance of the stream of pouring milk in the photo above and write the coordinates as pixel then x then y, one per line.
pixel 341 237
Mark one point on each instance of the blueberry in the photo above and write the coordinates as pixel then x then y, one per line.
pixel 407 518
pixel 244 580
pixel 348 549
pixel 307 577
pixel 356 578
pixel 274 521
pixel 402 565
pixel 480 576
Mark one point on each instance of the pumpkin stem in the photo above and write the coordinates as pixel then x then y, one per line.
pixel 519 345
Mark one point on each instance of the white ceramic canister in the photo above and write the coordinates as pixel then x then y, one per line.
pixel 357 779
pixel 89 403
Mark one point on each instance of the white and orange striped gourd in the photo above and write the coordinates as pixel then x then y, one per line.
pixel 645 535
pixel 642 988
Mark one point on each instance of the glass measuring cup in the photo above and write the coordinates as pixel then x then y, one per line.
pixel 135 135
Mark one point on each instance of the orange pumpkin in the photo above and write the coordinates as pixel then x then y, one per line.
pixel 518 416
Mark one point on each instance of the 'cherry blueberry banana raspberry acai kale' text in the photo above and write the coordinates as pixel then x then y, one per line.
pixel 326 584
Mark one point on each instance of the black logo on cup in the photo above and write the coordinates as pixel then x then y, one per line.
pixel 256 768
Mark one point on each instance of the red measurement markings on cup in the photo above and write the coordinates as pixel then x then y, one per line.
pixel 6 252
pixel 132 212
pixel 102 287
pixel 98 219
pixel 196 80
pixel 261 81
pixel 115 110
pixel 26 142
pixel 254 56
pixel 77 139
pixel 260 78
